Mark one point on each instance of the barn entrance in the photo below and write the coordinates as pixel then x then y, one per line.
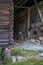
pixel 20 21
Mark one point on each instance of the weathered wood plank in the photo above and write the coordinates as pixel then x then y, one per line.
pixel 5 15
pixel 1 30
pixel 4 32
pixel 4 8
pixel 5 0
pixel 4 44
pixel 3 40
pixel 3 27
pixel 4 23
pixel 4 37
pixel 4 18
pixel 5 12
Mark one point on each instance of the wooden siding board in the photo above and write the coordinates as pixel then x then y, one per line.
pixel 6 0
pixel 5 21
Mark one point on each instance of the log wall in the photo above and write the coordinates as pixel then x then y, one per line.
pixel 6 21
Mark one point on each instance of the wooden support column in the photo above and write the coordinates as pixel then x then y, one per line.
pixel 28 22
pixel 12 23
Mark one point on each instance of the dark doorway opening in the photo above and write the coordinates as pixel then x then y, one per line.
pixel 20 22
pixel 15 29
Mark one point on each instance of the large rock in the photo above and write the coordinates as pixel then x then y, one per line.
pixel 20 58
pixel 41 38
pixel 41 54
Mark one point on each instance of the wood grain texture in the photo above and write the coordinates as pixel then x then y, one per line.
pixel 5 21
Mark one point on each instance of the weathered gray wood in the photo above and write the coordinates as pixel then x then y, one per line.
pixel 2 14
pixel 5 1
pixel 5 21
pixel 3 27
pixel 4 38
pixel 3 44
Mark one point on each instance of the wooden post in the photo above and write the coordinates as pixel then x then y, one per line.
pixel 28 22
pixel 11 40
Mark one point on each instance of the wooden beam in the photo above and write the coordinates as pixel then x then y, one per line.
pixel 21 7
pixel 5 1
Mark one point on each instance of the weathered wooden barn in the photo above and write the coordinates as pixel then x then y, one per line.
pixel 16 15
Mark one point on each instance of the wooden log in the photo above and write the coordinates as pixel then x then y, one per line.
pixel 3 44
pixel 4 18
pixel 4 23
pixel 3 11
pixel 1 30
pixel 3 27
pixel 5 1
pixel 4 8
pixel 4 37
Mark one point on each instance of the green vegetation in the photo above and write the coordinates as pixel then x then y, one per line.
pixel 28 62
pixel 22 52
pixel 0 50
